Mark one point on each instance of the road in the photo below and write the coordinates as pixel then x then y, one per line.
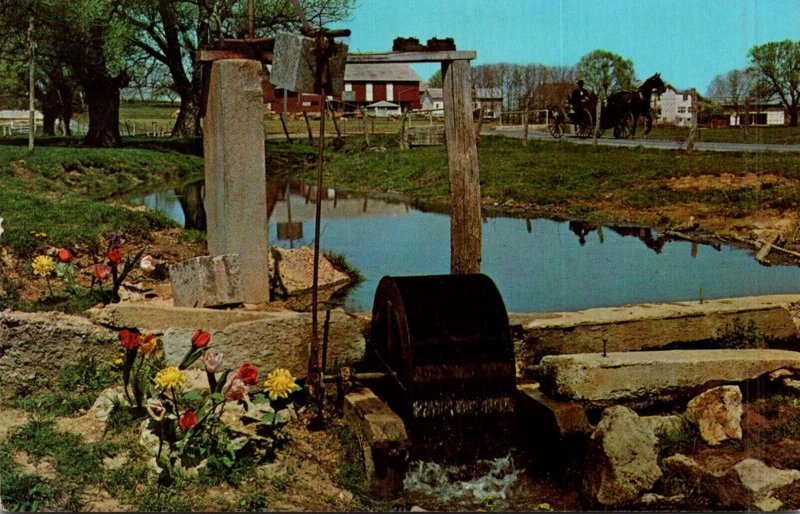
pixel 647 143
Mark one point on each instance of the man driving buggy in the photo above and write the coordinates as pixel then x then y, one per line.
pixel 578 97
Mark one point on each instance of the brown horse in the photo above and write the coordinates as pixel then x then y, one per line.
pixel 636 102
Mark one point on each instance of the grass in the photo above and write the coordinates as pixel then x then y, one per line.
pixel 574 180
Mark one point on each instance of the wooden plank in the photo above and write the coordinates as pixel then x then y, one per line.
pixel 464 173
pixel 379 57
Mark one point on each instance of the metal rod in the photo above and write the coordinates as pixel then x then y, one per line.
pixel 31 86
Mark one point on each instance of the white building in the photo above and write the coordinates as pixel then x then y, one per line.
pixel 760 114
pixel 673 107
pixel 433 100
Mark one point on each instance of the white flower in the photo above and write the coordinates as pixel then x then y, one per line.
pixel 1 226
pixel 147 263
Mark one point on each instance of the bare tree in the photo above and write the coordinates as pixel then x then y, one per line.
pixel 735 88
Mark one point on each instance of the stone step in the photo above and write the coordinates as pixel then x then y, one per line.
pixel 653 326
pixel 648 376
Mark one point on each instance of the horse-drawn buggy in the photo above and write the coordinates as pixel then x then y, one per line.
pixel 622 111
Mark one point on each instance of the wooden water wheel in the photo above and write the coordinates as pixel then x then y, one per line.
pixel 445 344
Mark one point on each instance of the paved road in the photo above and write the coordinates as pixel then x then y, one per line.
pixel 648 143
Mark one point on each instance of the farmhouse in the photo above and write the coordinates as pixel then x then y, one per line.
pixel 673 107
pixel 433 100
pixel 756 114
pixel 489 100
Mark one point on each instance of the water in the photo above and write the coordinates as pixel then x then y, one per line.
pixel 538 265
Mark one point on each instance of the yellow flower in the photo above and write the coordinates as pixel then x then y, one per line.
pixel 279 384
pixel 170 378
pixel 43 265
pixel 119 361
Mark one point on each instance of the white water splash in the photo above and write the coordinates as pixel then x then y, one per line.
pixel 462 487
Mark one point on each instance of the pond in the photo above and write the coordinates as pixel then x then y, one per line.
pixel 539 265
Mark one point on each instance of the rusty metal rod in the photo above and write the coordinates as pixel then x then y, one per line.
pixel 360 377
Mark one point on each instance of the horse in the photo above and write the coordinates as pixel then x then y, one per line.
pixel 636 102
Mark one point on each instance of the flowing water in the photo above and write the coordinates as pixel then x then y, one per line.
pixel 539 265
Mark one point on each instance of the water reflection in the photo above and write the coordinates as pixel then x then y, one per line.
pixel 538 265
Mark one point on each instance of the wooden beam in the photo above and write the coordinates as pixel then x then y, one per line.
pixel 464 173
pixel 442 56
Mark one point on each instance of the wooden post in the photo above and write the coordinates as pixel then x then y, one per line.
pixel 31 88
pixel 693 129
pixel 526 124
pixel 335 123
pixel 402 137
pixel 366 131
pixel 464 173
pixel 285 128
pixel 308 127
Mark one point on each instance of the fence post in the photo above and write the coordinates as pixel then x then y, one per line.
pixel 308 127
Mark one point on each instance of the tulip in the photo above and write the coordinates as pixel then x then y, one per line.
pixel 188 420
pixel 114 255
pixel 236 390
pixel 115 240
pixel 213 362
pixel 201 339
pixel 129 339
pixel 64 255
pixel 155 409
pixel 1 226
pixel 248 373
pixel 101 271
pixel 148 344
pixel 147 263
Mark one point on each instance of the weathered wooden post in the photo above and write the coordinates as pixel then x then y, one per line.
pixel 464 172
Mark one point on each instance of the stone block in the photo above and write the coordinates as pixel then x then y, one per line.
pixel 207 282
pixel 235 176
pixel 718 413
pixel 643 377
pixel 294 64
pixel 383 439
pixel 275 339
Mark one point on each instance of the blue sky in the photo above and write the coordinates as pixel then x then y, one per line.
pixel 688 41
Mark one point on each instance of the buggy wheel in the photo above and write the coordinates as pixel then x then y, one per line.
pixel 585 125
pixel 556 121
pixel 625 127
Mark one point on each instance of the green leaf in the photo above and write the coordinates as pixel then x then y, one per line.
pixel 221 381
pixel 190 358
pixel 268 418
pixel 192 396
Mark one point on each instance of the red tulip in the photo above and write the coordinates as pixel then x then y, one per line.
pixel 200 339
pixel 101 271
pixel 129 339
pixel 188 420
pixel 64 255
pixel 248 374
pixel 114 255
pixel 148 344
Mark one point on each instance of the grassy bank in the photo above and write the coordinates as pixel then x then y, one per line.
pixel 71 194
pixel 599 183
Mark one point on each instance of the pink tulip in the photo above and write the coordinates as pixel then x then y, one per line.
pixel 236 390
pixel 213 361
pixel 147 263
pixel 156 409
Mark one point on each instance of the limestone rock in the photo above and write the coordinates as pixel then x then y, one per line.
pixel 644 376
pixel 749 484
pixel 622 461
pixel 35 346
pixel 293 276
pixel 718 413
pixel 277 339
pixel 104 404
pixel 207 281
pixel 666 426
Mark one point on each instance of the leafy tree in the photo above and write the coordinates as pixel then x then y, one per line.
pixel 436 79
pixel 778 62
pixel 605 72
pixel 171 32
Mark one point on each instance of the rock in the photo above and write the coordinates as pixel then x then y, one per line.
pixel 643 377
pixel 665 427
pixel 293 275
pixel 207 281
pixel 718 413
pixel 747 485
pixel 277 339
pixel 35 346
pixel 104 404
pixel 622 460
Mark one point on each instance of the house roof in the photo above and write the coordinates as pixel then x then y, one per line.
pixel 382 103
pixel 489 93
pixel 379 72
pixel 435 92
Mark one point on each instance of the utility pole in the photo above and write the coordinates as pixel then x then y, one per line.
pixel 31 106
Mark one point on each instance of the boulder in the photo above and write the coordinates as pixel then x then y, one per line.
pixel 749 484
pixel 207 281
pixel 293 276
pixel 718 413
pixel 622 461
pixel 35 346
pixel 641 378
pixel 666 427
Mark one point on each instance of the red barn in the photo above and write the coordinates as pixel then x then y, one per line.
pixel 364 84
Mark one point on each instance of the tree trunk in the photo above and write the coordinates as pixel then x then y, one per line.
pixel 190 197
pixel 102 97
pixel 793 119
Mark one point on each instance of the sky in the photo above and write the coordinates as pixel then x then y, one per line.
pixel 688 41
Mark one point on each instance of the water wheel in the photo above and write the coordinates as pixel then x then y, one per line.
pixel 445 343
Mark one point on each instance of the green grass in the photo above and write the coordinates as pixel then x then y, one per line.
pixel 573 180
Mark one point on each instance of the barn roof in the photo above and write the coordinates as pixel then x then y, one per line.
pixel 380 72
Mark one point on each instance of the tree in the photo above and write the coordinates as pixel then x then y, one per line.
pixel 605 72
pixel 436 79
pixel 736 88
pixel 173 31
pixel 778 62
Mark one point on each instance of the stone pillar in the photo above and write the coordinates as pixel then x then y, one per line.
pixel 236 189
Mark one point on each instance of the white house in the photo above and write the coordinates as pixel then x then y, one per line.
pixel 433 100
pixel 759 114
pixel 489 100
pixel 673 107
pixel 384 109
